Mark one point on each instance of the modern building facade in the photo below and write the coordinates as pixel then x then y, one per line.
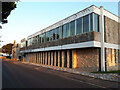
pixel 87 41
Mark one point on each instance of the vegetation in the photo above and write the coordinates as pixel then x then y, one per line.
pixel 6 9
pixel 7 49
pixel 107 72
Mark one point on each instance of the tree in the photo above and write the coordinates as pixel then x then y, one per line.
pixel 6 9
pixel 7 49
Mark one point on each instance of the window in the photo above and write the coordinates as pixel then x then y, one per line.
pixel 60 32
pixel 96 22
pixel 51 36
pixel 54 33
pixel 42 36
pixel 86 23
pixel 79 26
pixel 32 40
pixel 47 36
pixel 91 22
pixel 57 34
pixel 28 42
pixel 67 30
pixel 72 28
pixel 64 30
pixel 38 39
pixel 35 39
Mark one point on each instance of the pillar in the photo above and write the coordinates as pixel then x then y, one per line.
pixel 48 58
pixel 102 39
pixel 41 58
pixel 45 58
pixel 55 58
pixel 58 58
pixel 51 58
pixel 68 59
pixel 74 59
pixel 63 57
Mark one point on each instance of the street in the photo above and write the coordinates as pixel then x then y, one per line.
pixel 19 75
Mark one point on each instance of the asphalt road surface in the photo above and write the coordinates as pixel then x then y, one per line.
pixel 19 75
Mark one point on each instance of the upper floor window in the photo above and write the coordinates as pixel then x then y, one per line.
pixel 72 28
pixel 51 35
pixel 58 33
pixel 54 33
pixel 86 23
pixel 96 22
pixel 42 36
pixel 79 26
pixel 47 36
pixel 40 41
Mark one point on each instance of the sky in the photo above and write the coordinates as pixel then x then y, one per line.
pixel 31 17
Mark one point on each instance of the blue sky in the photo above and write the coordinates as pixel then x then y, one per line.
pixel 30 17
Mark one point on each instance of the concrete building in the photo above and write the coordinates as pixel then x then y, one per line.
pixel 87 41
pixel 16 55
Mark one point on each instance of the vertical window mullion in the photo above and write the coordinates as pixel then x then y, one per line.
pixel 75 26
pixel 93 23
pixel 89 23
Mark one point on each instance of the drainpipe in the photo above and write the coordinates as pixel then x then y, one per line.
pixel 102 39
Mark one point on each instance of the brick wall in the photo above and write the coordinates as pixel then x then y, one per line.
pixel 88 59
pixel 111 31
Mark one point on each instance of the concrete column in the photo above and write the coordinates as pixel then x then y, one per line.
pixel 68 58
pixel 38 59
pixel 48 58
pixel 74 59
pixel 45 58
pixel 52 58
pixel 102 39
pixel 63 57
pixel 55 58
pixel 41 58
pixel 58 58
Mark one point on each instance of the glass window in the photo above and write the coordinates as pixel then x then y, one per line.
pixel 79 26
pixel 47 36
pixel 96 22
pixel 54 33
pixel 57 35
pixel 72 28
pixel 86 23
pixel 64 30
pixel 60 30
pixel 91 22
pixel 51 35
pixel 40 38
pixel 35 39
pixel 67 30
pixel 43 37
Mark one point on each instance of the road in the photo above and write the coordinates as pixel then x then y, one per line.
pixel 19 75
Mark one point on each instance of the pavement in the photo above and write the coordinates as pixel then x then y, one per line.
pixel 21 75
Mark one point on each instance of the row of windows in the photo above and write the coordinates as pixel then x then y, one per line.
pixel 84 24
